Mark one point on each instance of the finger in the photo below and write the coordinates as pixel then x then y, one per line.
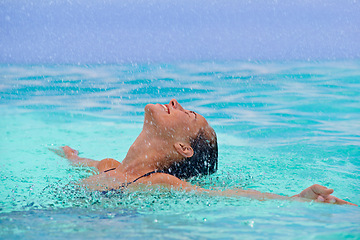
pixel 320 199
pixel 59 151
pixel 335 200
pixel 321 190
pixel 69 151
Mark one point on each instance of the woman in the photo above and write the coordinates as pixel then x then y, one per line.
pixel 174 144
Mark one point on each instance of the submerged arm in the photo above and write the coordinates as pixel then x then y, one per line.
pixel 316 192
pixel 72 155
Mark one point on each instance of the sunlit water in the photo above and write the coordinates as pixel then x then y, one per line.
pixel 281 127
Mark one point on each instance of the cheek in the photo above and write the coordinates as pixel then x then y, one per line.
pixel 185 129
pixel 163 125
pixel 173 126
pixel 175 129
pixel 180 124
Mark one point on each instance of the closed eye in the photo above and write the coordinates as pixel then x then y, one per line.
pixel 195 115
pixel 192 112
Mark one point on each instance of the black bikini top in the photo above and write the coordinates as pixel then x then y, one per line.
pixel 124 185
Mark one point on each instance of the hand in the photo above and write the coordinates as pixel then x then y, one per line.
pixel 73 155
pixel 321 194
pixel 66 152
pixel 70 153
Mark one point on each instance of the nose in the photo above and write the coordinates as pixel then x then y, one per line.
pixel 173 103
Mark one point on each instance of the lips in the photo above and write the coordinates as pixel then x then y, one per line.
pixel 166 108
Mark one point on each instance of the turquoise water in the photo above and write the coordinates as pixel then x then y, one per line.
pixel 281 128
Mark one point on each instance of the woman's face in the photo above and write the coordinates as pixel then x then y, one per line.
pixel 172 121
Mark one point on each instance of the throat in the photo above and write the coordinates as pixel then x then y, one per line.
pixel 142 156
pixel 149 153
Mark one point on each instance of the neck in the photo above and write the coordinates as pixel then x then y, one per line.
pixel 146 154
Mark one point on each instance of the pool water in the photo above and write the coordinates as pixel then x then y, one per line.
pixel 281 126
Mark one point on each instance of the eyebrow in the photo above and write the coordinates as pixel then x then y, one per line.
pixel 191 112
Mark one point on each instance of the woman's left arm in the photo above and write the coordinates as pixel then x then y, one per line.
pixel 316 192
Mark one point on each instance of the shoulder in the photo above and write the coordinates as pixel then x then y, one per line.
pixel 168 181
pixel 107 163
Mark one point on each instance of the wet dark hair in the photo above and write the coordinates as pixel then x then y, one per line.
pixel 203 162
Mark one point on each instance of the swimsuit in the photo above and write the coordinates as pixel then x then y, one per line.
pixel 124 185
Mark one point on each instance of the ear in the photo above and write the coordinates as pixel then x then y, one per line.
pixel 184 149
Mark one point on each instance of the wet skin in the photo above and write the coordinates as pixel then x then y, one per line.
pixel 165 139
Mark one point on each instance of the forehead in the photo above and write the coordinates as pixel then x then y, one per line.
pixel 204 126
pixel 201 121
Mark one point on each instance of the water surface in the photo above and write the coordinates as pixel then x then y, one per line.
pixel 282 126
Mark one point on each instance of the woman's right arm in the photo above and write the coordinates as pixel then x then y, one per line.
pixel 72 155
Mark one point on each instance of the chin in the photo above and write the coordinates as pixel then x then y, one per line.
pixel 151 114
pixel 149 108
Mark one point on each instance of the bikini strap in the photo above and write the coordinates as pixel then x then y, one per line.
pixel 124 185
pixel 147 174
pixel 108 170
